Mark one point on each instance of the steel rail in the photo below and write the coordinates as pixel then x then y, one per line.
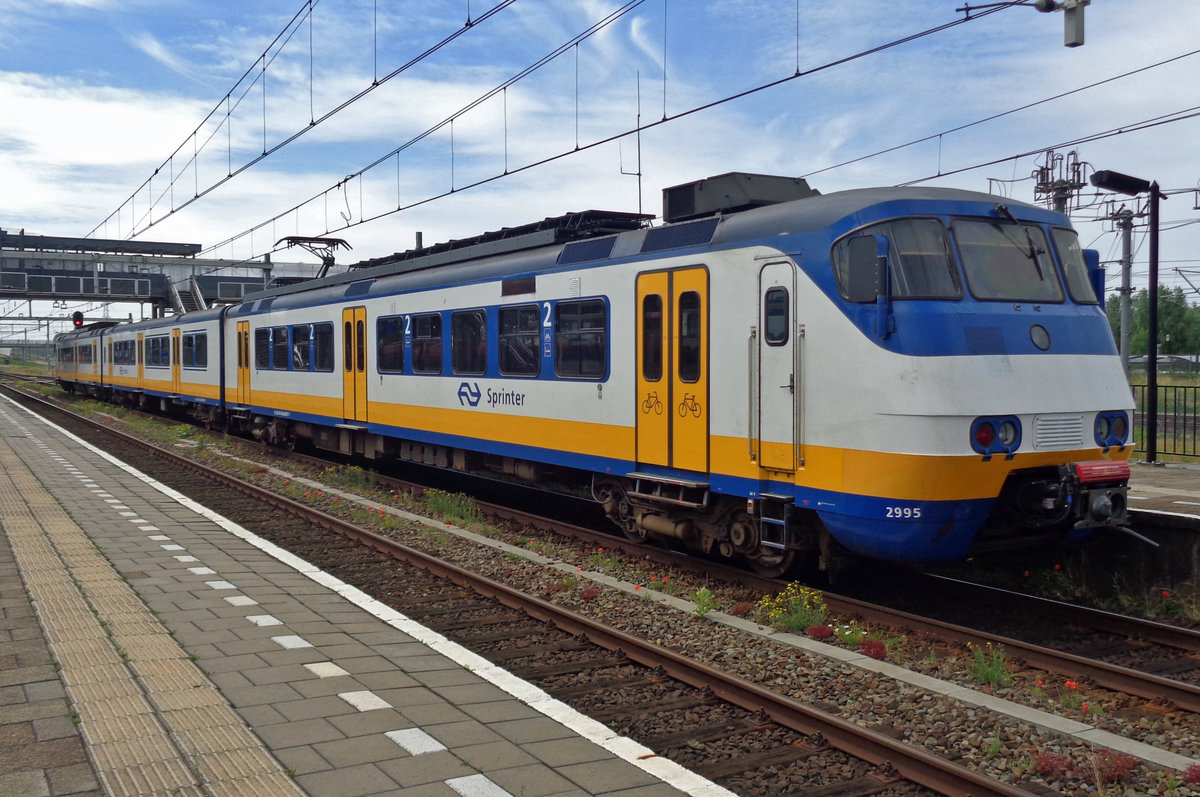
pixel 1148 686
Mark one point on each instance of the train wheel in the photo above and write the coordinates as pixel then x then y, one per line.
pixel 771 563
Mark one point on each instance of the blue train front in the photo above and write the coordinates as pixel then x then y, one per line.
pixel 909 374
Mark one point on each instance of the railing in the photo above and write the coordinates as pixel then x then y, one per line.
pixel 1178 419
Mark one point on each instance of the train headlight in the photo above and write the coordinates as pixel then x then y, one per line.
pixel 1112 429
pixel 996 435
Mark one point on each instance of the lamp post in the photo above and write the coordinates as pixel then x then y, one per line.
pixel 1132 186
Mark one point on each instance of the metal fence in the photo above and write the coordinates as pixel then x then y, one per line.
pixel 1178 419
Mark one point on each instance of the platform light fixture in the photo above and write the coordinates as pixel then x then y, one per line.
pixel 1133 186
pixel 1072 18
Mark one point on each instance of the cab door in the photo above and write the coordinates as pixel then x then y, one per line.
pixel 672 361
pixel 354 365
pixel 778 371
pixel 176 361
pixel 242 342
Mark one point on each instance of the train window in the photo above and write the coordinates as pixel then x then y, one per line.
pixel 468 342
pixel 1079 285
pixel 360 345
pixel 427 344
pixel 919 259
pixel 262 348
pixel 689 336
pixel 85 354
pixel 389 344
pixel 775 316
pixel 1007 262
pixel 519 330
pixel 322 335
pixel 279 348
pixel 195 350
pixel 652 337
pixel 348 345
pixel 158 351
pixel 580 339
pixel 301 349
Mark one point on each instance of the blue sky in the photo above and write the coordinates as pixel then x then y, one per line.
pixel 98 94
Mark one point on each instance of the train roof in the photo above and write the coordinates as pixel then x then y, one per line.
pixel 591 236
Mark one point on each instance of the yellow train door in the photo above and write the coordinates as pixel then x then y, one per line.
pixel 672 364
pixel 354 365
pixel 176 360
pixel 141 361
pixel 242 343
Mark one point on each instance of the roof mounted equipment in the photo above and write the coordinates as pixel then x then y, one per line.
pixel 729 193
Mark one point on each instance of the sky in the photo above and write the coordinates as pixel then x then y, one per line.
pixel 384 119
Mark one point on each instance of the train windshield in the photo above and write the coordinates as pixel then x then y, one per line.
pixel 1074 266
pixel 1006 261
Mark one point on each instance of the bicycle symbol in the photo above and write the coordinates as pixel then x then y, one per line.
pixel 652 403
pixel 689 403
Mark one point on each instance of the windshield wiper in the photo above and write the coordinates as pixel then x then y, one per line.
pixel 1033 252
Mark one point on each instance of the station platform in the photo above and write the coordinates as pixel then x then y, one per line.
pixel 1170 488
pixel 150 646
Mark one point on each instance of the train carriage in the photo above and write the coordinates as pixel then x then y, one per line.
pixel 79 362
pixel 902 373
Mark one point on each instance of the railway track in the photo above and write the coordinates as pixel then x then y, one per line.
pixel 730 729
pixel 1158 690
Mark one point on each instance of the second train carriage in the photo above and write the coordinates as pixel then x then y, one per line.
pixel 886 371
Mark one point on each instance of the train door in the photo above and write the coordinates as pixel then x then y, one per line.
pixel 778 377
pixel 176 361
pixel 141 361
pixel 242 389
pixel 672 363
pixel 354 366
pixel 109 362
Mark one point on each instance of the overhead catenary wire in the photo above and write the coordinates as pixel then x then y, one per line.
pixel 267 56
pixel 637 128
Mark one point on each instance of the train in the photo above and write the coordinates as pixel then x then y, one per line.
pixel 768 374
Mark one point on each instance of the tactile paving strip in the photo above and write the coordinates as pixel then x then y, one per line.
pixel 132 686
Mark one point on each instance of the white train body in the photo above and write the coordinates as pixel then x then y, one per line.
pixel 855 371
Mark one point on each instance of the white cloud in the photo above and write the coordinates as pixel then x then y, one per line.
pixel 84 135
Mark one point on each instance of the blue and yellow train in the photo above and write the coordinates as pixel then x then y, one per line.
pixel 910 374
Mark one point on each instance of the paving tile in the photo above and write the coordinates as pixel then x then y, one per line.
pixel 347 782
pixel 302 732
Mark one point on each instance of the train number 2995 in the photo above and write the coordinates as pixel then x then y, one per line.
pixel 904 512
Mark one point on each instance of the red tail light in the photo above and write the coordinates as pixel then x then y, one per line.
pixel 985 434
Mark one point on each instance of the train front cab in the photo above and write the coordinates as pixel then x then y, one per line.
pixel 1033 402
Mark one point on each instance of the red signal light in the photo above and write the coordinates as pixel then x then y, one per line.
pixel 77 319
pixel 985 434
